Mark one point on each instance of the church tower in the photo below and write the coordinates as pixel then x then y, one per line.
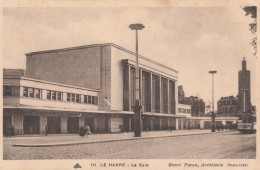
pixel 244 88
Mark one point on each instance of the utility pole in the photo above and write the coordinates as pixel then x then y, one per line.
pixel 213 115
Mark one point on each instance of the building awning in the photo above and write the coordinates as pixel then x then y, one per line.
pixel 209 118
pixel 163 115
pixel 91 111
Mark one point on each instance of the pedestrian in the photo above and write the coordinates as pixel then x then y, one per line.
pixel 46 130
pixel 81 131
pixel 88 131
pixel 84 131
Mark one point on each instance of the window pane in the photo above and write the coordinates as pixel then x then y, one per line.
pixel 89 99
pixel 59 96
pixel 77 98
pixel 30 91
pixel 53 95
pixel 37 93
pixel 85 99
pixel 48 94
pixel 92 100
pixel 7 90
pixel 73 97
pixel 25 91
pixel 68 96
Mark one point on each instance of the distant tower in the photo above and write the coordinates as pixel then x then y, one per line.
pixel 244 88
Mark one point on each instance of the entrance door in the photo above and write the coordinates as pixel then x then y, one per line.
pixel 90 122
pixel 73 124
pixel 31 124
pixel 54 125
pixel 7 123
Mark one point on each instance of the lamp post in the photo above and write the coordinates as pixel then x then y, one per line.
pixel 198 103
pixel 137 107
pixel 213 115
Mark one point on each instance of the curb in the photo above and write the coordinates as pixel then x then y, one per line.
pixel 111 140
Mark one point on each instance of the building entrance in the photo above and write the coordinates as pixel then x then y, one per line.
pixel 31 124
pixel 73 124
pixel 90 122
pixel 54 124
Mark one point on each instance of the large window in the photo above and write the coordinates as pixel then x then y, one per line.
pixel 7 90
pixel 90 99
pixel 68 96
pixel 25 91
pixel 72 97
pixel 32 92
pixel 54 95
pixel 37 93
pixel 77 98
pixel 59 96
pixel 153 94
pixel 132 87
pixel 11 91
pixel 48 93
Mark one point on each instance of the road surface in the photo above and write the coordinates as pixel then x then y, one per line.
pixel 231 145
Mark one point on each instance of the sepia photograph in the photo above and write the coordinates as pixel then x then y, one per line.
pixel 99 84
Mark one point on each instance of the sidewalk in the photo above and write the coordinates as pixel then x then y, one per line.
pixel 68 139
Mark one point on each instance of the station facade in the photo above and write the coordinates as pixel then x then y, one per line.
pixel 90 85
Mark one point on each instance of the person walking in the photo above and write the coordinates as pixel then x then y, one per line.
pixel 88 131
pixel 81 131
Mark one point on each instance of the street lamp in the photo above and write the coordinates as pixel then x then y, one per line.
pixel 137 107
pixel 213 115
pixel 198 103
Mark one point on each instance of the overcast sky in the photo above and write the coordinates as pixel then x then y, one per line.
pixel 192 40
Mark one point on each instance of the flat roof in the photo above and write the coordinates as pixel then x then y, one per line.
pixel 100 45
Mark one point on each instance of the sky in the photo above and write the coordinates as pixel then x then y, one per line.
pixel 191 40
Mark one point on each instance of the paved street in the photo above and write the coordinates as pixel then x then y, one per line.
pixel 230 145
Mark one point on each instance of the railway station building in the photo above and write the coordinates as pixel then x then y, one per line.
pixel 92 85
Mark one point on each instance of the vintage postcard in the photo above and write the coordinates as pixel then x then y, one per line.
pixel 129 85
